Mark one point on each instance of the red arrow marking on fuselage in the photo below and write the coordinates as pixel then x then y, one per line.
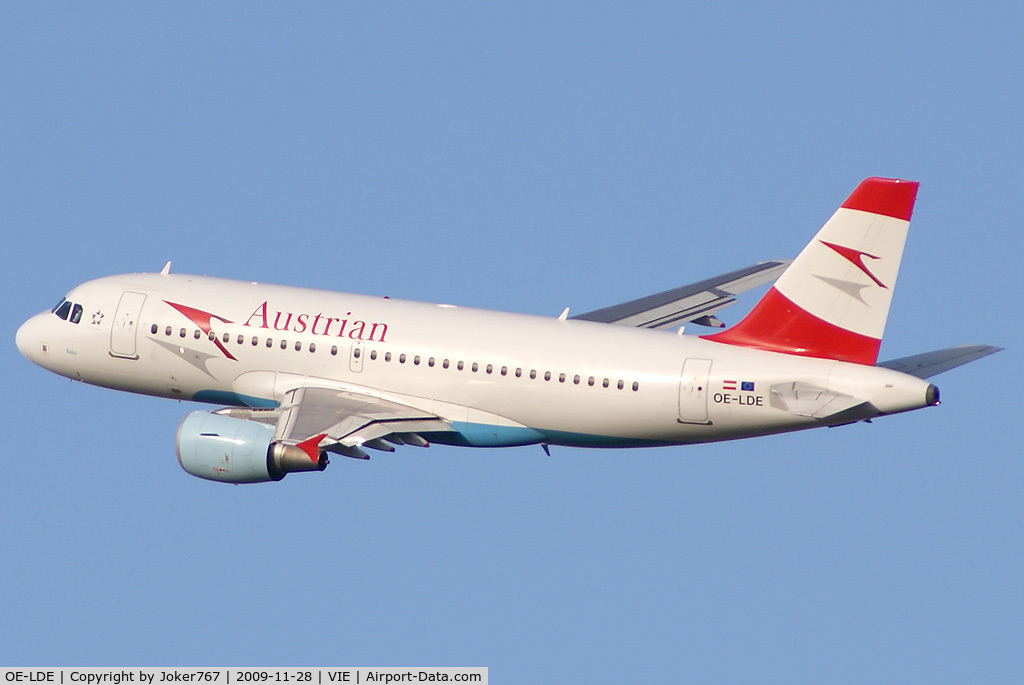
pixel 202 320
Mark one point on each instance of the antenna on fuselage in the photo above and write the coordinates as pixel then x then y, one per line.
pixel 167 269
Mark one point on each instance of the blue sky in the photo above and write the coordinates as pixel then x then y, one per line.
pixel 526 158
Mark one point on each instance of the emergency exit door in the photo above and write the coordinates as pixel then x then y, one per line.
pixel 693 391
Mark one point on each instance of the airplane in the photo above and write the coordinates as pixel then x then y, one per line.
pixel 307 373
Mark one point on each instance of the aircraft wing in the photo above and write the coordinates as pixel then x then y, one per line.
pixel 347 421
pixel 933 363
pixel 696 302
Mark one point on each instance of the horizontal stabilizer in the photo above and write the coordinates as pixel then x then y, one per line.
pixel 933 363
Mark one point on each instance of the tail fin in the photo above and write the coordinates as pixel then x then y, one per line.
pixel 833 300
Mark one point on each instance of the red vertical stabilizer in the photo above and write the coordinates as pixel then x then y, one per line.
pixel 833 300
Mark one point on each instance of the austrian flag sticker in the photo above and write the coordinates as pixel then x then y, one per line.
pixel 746 386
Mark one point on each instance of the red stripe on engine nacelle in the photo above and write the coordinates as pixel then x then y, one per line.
pixel 886 196
pixel 776 324
pixel 311 446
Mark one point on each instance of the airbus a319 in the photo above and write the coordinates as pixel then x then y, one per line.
pixel 306 373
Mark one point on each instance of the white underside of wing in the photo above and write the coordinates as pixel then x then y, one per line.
pixel 349 418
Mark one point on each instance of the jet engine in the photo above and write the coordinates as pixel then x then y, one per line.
pixel 222 448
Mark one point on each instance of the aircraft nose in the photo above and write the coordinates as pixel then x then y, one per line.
pixel 27 338
pixel 21 338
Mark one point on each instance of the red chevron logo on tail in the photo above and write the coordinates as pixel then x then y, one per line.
pixel 856 257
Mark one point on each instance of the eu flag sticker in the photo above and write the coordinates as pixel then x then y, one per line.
pixel 747 385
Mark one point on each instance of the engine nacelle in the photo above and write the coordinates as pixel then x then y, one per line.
pixel 222 448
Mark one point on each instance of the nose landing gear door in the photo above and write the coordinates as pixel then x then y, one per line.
pixel 125 325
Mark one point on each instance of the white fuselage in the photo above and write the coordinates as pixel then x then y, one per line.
pixel 498 378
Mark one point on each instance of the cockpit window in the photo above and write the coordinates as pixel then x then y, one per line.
pixel 68 311
pixel 63 310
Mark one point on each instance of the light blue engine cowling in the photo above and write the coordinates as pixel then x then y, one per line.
pixel 222 448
